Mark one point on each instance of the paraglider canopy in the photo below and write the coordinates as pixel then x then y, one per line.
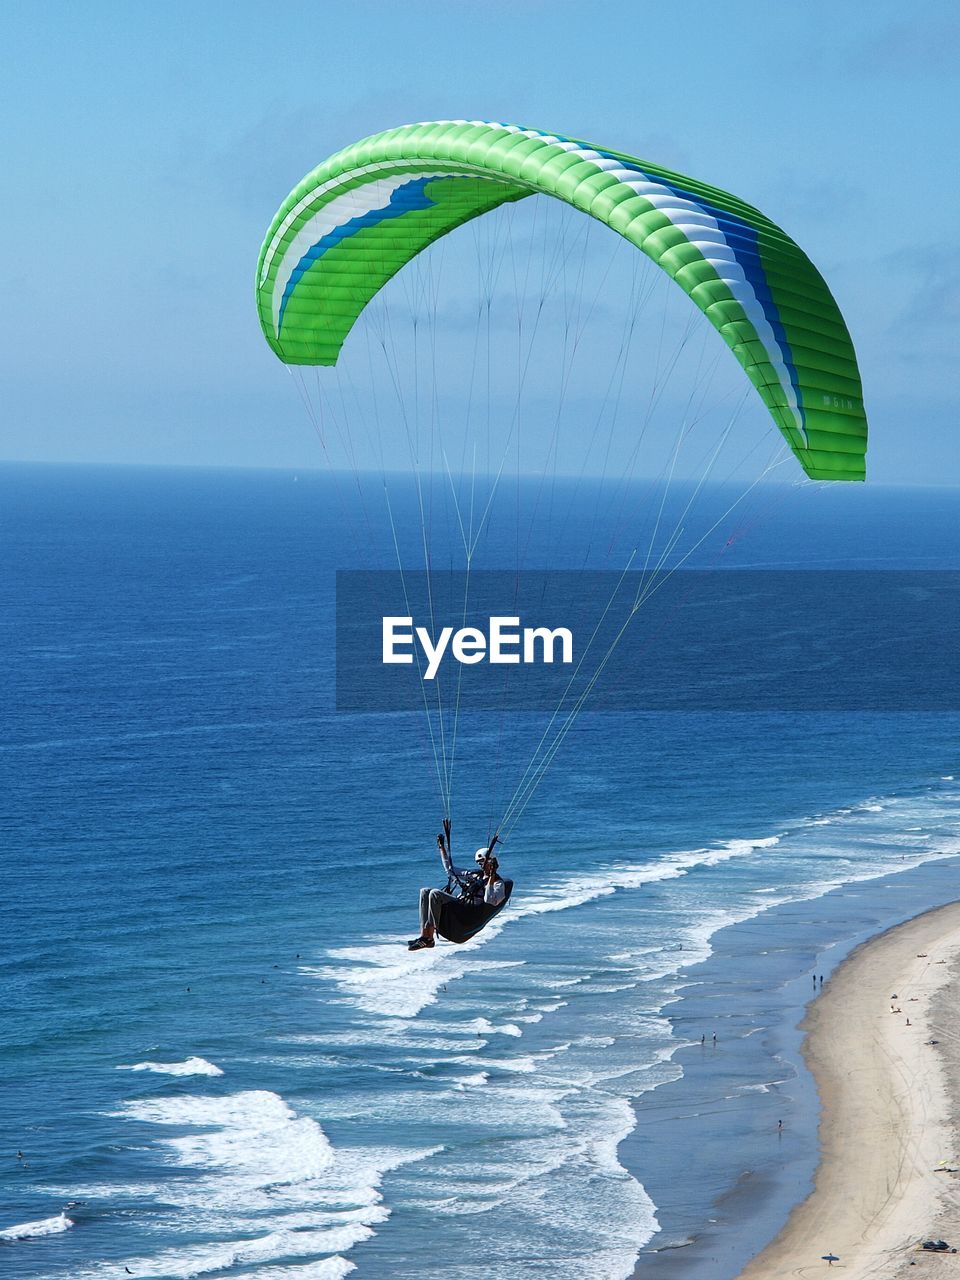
pixel 497 417
pixel 359 217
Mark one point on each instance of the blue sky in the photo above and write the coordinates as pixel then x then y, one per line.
pixel 148 145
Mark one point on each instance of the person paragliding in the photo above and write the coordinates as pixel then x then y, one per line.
pixel 367 213
pixel 472 898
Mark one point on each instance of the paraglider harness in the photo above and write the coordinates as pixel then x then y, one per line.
pixel 467 915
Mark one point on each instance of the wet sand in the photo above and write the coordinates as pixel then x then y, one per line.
pixel 889 1105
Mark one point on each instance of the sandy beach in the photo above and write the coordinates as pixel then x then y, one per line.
pixel 889 1102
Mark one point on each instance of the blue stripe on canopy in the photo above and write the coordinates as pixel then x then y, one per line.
pixel 410 196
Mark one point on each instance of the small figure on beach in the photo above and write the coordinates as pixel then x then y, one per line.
pixel 779 1126
pixel 821 980
pixel 480 895
pixel 703 1038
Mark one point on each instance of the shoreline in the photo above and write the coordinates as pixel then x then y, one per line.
pixel 887 1097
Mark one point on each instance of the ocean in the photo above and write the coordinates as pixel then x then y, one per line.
pixel 218 1058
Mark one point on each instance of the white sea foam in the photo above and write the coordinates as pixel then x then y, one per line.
pixel 472 1082
pixel 325 1269
pixel 191 1067
pixel 380 978
pixel 633 954
pixel 402 1033
pixel 42 1227
pixel 522 1064
pixel 193 1261
pixel 254 1135
pixel 268 1181
pixel 384 979
pixel 563 1182
pixel 714 856
pixel 483 1026
pixel 759 1087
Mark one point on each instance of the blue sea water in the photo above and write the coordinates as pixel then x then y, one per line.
pixel 217 1057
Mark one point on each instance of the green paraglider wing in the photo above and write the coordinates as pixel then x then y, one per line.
pixel 353 222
